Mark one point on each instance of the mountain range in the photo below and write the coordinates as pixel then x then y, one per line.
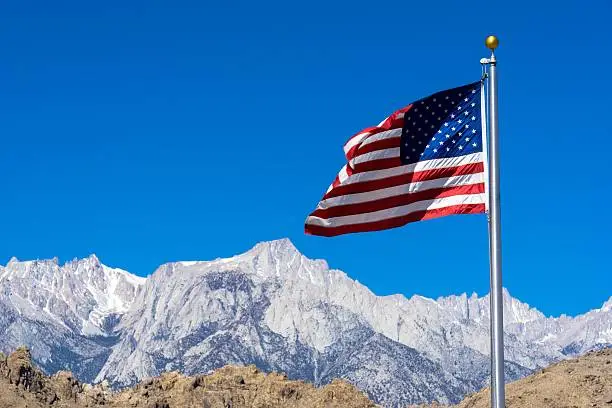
pixel 277 309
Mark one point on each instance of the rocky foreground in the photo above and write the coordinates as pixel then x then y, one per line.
pixel 584 382
pixel 22 385
pixel 581 383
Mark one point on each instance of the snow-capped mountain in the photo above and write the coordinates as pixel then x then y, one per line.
pixel 273 307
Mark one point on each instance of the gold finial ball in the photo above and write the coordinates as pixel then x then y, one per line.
pixel 492 42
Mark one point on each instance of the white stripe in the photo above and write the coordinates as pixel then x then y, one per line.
pixel 355 140
pixel 387 134
pixel 376 155
pixel 462 180
pixel 464 199
pixel 415 167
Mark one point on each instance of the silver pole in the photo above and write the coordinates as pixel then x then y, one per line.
pixel 496 301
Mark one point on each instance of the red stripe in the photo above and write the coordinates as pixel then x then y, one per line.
pixel 396 201
pixel 365 186
pixel 394 222
pixel 377 164
pixel 378 145
pixel 392 122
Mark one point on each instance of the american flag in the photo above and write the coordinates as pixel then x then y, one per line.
pixel 424 161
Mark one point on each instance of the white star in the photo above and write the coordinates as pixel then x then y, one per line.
pixel 474 144
pixel 439 118
pixel 433 138
pixel 439 105
pixel 413 123
pixel 426 121
pixel 445 110
pixel 452 102
pixel 420 142
pixel 467 139
pixel 441 143
pixel 427 147
pixel 473 91
pixel 427 107
pixel 406 144
pixel 452 116
pixel 445 123
pixel 460 147
pixel 448 149
pixel 454 141
pixel 420 115
pixel 460 133
pixel 453 129
pixel 412 137
pixel 408 118
pixel 447 136
pixel 407 157
pixel 473 104
pixel 459 107
pixel 416 109
pixel 422 102
pixel 466 113
pixel 439 131
pixel 460 121
pixel 446 97
pixel 419 129
pixel 432 126
pixel 460 94
pixel 473 130
pixel 414 150
pixel 435 150
pixel 473 117
pixel 467 126
pixel 466 99
pixel 434 99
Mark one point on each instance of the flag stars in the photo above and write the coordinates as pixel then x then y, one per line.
pixel 447 136
pixel 473 117
pixel 459 121
pixel 452 116
pixel 453 128
pixel 474 144
pixel 460 147
pixel 473 130
pixel 473 104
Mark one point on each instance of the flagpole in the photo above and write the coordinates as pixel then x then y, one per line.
pixel 496 294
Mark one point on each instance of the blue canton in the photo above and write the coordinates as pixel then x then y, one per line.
pixel 445 124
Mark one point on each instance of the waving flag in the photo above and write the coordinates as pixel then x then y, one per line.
pixel 424 161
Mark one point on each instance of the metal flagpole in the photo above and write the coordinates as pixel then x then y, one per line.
pixel 496 294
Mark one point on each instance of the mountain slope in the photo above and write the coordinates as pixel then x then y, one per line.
pixel 275 308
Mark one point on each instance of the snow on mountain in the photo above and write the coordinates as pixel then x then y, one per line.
pixel 275 308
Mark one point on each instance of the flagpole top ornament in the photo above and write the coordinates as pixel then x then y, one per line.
pixel 492 42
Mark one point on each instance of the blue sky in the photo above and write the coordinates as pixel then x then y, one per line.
pixel 156 131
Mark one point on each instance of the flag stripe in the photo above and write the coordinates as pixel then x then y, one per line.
pixel 394 222
pixel 407 188
pixel 397 211
pixel 394 121
pixel 362 187
pixel 397 201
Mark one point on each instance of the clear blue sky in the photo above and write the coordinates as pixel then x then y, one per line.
pixel 148 132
